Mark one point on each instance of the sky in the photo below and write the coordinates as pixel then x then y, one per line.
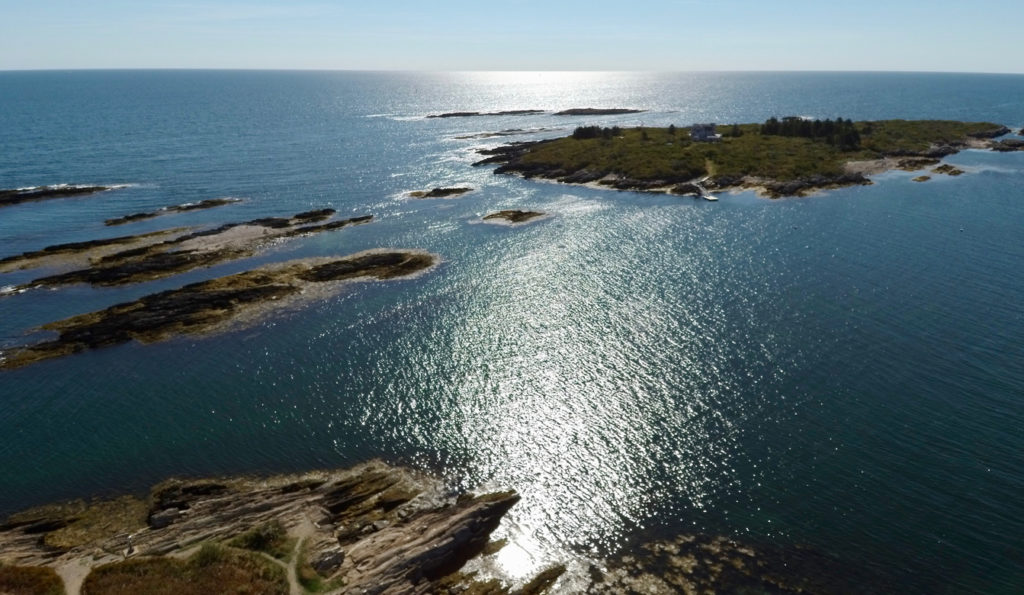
pixel 439 35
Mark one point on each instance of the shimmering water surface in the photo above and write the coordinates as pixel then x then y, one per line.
pixel 843 372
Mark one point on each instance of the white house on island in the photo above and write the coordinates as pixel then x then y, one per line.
pixel 704 132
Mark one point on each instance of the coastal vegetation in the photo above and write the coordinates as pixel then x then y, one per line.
pixel 780 157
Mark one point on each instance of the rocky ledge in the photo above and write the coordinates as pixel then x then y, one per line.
pixel 512 217
pixel 211 305
pixel 373 528
pixel 209 203
pixel 148 259
pixel 1008 145
pixel 20 195
pixel 370 529
pixel 594 111
pixel 513 112
pixel 440 192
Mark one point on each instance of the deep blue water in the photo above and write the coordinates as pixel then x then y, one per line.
pixel 842 371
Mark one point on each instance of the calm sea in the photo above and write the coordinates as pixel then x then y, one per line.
pixel 843 372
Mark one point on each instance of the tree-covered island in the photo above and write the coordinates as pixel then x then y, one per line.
pixel 787 157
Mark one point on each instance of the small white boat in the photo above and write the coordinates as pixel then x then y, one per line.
pixel 709 196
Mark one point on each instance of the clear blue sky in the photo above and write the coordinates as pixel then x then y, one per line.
pixel 677 35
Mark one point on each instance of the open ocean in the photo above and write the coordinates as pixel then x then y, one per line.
pixel 843 372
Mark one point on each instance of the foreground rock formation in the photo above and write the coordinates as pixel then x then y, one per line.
pixel 210 305
pixel 374 528
pixel 370 529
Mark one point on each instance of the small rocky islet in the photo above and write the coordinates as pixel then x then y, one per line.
pixel 512 217
pixel 440 192
pixel 372 528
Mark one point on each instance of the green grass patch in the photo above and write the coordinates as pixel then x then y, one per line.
pixel 30 580
pixel 213 569
pixel 269 538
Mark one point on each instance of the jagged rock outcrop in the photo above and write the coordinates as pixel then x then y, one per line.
pixel 374 528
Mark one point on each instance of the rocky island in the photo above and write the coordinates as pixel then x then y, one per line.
pixel 215 304
pixel 19 195
pixel 791 157
pixel 372 528
pixel 209 203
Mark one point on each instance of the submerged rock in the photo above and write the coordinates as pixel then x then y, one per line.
pixel 191 206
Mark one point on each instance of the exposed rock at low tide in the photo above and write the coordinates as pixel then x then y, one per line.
pixel 513 112
pixel 948 170
pixel 922 178
pixel 191 206
pixel 440 192
pixel 157 260
pixel 211 305
pixel 21 195
pixel 593 111
pixel 513 217
pixel 1008 145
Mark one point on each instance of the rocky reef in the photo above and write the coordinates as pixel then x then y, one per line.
pixel 513 112
pixel 1008 145
pixel 922 178
pixel 186 252
pixel 440 192
pixel 210 305
pixel 20 195
pixel 512 217
pixel 948 170
pixel 594 111
pixel 209 203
